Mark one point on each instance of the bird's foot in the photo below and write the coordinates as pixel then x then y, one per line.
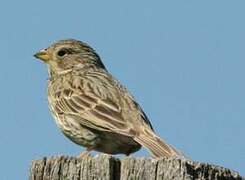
pixel 84 154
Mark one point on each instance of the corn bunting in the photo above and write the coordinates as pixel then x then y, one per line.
pixel 91 107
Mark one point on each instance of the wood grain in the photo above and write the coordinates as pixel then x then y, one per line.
pixel 105 167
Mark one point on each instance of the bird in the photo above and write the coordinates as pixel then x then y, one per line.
pixel 92 108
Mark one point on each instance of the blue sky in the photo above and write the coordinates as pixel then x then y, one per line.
pixel 182 60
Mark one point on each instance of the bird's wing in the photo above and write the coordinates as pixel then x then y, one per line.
pixel 96 108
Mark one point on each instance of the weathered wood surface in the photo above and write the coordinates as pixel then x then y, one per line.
pixel 105 167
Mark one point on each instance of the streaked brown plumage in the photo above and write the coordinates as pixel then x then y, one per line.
pixel 92 108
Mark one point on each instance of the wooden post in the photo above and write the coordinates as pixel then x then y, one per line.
pixel 105 167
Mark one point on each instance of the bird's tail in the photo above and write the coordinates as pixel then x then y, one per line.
pixel 156 145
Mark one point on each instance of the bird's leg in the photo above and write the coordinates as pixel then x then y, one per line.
pixel 85 153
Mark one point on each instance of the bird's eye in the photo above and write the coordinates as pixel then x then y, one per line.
pixel 61 53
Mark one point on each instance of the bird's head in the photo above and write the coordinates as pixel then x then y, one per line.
pixel 66 55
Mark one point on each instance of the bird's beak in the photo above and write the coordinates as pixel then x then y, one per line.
pixel 42 55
